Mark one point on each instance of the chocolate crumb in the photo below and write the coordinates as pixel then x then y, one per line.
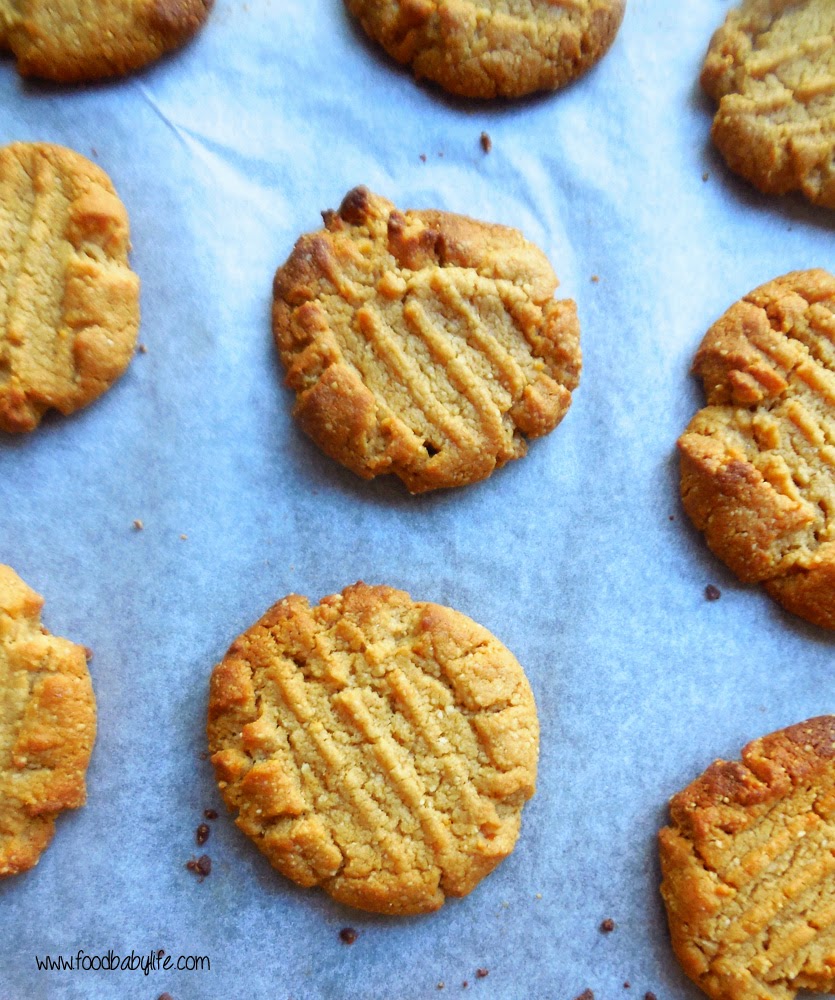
pixel 143 348
pixel 202 834
pixel 423 157
pixel 88 654
pixel 607 926
pixel 138 525
pixel 482 973
pixel 705 176
pixel 712 593
pixel 465 984
pixel 165 996
pixel 210 813
pixel 348 935
pixel 672 517
pixel 440 986
pixel 627 984
pixel 585 995
pixel 650 996
pixel 201 866
pixel 595 279
pixel 486 142
pixel 160 952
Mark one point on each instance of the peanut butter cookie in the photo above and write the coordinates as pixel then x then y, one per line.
pixel 69 303
pixel 379 747
pixel 771 68
pixel 749 868
pixel 47 726
pixel 493 48
pixel 758 463
pixel 73 40
pixel 423 344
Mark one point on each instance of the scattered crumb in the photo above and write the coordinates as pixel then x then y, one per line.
pixel 94 151
pixel 486 142
pixel 441 154
pixel 538 896
pixel 465 984
pixel 201 866
pixel 201 835
pixel 595 279
pixel 607 926
pixel 440 986
pixel 586 995
pixel 712 593
pixel 505 904
pixel 705 176
pixel 165 996
pixel 627 984
pixel 348 935
pixel 423 157
pixel 482 973
pixel 160 952
pixel 650 996
pixel 183 538
pixel 210 813
pixel 672 517
pixel 143 348
pixel 88 653
pixel 138 525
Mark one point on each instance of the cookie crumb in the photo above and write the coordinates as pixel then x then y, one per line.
pixel 585 995
pixel 210 813
pixel 165 996
pixel 88 654
pixel 672 517
pixel 440 986
pixel 607 926
pixel 423 157
pixel 712 593
pixel 482 973
pixel 650 996
pixel 595 279
pixel 143 348
pixel 201 866
pixel 538 896
pixel 348 935
pixel 183 538
pixel 627 984
pixel 486 142
pixel 138 525
pixel 705 176
pixel 202 834
pixel 465 984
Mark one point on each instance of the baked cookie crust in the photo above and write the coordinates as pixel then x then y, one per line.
pixel 749 871
pixel 378 747
pixel 770 68
pixel 422 343
pixel 493 48
pixel 71 41
pixel 47 726
pixel 758 463
pixel 69 303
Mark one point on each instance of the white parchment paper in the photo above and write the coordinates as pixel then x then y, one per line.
pixel 578 557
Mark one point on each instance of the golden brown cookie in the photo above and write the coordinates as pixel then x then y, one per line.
pixel 771 68
pixel 69 303
pixel 47 726
pixel 493 48
pixel 423 344
pixel 748 867
pixel 74 40
pixel 758 463
pixel 379 747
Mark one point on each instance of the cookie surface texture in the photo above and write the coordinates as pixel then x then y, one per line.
pixel 493 48
pixel 771 68
pixel 423 344
pixel 758 463
pixel 749 871
pixel 70 41
pixel 69 303
pixel 378 747
pixel 47 726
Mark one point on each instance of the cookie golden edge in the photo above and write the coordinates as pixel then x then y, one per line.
pixel 730 502
pixel 749 148
pixel 97 224
pixel 97 53
pixel 50 749
pixel 339 412
pixel 770 768
pixel 437 40
pixel 233 708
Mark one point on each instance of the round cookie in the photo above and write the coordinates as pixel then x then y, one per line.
pixel 379 747
pixel 47 726
pixel 70 41
pixel 749 871
pixel 493 48
pixel 770 67
pixel 423 344
pixel 758 463
pixel 69 303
